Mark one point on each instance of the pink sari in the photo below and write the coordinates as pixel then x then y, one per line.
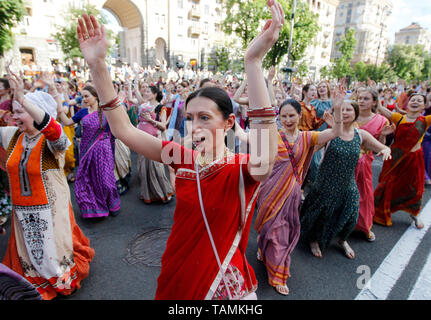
pixel 364 176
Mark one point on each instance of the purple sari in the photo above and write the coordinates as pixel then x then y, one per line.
pixel 95 189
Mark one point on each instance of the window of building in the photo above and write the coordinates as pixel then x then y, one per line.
pixel 207 9
pixel 180 21
pixel 407 39
pixel 180 4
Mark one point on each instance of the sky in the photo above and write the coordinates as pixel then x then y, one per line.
pixel 407 11
pixel 403 14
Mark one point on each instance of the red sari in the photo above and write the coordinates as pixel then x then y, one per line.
pixel 401 182
pixel 189 268
pixel 364 176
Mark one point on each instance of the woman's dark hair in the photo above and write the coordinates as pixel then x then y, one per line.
pixel 203 81
pixel 305 89
pixel 355 106
pixel 159 94
pixel 218 96
pixel 93 92
pixel 5 83
pixel 295 104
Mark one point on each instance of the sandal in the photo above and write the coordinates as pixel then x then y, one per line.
pixel 71 177
pixel 283 290
pixel 259 256
pixel 371 237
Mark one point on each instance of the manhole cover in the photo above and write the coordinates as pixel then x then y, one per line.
pixel 148 247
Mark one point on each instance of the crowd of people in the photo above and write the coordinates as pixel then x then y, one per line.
pixel 274 148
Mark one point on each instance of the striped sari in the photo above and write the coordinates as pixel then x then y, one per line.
pixel 278 222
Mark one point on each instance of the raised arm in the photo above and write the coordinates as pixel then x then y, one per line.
pixel 263 134
pixel 237 96
pixel 93 42
pixel 17 83
pixel 271 92
pixel 384 111
pixel 336 120
pixel 371 143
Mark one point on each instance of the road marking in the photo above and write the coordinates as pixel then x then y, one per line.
pixel 388 273
pixel 422 288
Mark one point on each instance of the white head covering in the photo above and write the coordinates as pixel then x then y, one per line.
pixel 44 101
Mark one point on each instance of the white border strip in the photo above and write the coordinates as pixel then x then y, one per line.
pixel 422 288
pixel 388 273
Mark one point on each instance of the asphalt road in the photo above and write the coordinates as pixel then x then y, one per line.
pixel 118 271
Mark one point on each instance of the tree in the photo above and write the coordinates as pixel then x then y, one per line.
pixel 245 17
pixel 219 59
pixel 11 12
pixel 406 60
pixel 305 28
pixel 346 46
pixel 66 34
pixel 426 70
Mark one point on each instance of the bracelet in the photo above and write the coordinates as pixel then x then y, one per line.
pixel 262 112
pixel 111 105
pixel 262 121
pixel 261 108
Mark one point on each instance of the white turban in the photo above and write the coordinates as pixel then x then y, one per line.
pixel 44 101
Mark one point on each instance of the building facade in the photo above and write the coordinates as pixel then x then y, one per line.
pixel 319 53
pixel 369 20
pixel 414 34
pixel 153 31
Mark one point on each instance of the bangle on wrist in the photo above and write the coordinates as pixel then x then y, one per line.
pixel 111 105
pixel 262 121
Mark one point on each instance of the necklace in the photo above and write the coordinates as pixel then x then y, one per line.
pixel 291 138
pixel 206 160
pixel 29 139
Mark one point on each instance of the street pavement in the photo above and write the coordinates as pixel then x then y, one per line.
pixel 129 246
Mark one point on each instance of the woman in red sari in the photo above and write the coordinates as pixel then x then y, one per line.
pixel 401 182
pixel 377 126
pixel 205 254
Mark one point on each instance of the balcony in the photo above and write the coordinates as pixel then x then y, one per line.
pixel 195 30
pixel 195 12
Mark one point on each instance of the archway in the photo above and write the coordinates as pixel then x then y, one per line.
pixel 129 17
pixel 160 50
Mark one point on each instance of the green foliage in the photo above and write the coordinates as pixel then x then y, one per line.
pixel 245 19
pixel 305 28
pixel 220 59
pixel 407 61
pixel 66 34
pixel 346 46
pixel 11 12
pixel 426 69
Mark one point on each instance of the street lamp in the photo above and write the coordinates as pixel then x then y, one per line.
pixel 381 30
pixel 288 69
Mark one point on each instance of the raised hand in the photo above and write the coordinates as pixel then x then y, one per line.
pixel 328 118
pixel 269 35
pixel 385 153
pixel 338 96
pixel 16 83
pixel 93 39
